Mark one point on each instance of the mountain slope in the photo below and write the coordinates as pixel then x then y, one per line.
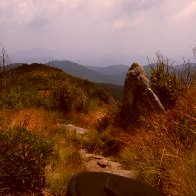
pixel 49 87
pixel 78 70
pixel 111 70
pixel 114 74
pixel 116 91
pixel 88 73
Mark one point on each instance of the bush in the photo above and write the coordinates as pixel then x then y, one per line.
pixel 165 82
pixel 11 98
pixel 68 98
pixel 17 98
pixel 23 157
pixel 102 94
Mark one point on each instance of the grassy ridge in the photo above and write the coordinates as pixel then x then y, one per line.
pixel 38 98
pixel 161 148
pixel 38 84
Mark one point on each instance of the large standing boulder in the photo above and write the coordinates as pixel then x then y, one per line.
pixel 135 86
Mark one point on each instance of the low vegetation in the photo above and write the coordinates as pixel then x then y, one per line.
pixel 163 148
pixel 37 153
pixel 167 82
pixel 34 100
pixel 39 85
pixel 23 158
pixel 66 162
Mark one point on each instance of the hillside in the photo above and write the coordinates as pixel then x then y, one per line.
pixel 114 74
pixel 111 70
pixel 116 91
pixel 51 123
pixel 79 70
pixel 38 84
pixel 102 75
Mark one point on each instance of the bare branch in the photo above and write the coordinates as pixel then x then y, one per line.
pixel 194 51
pixel 4 58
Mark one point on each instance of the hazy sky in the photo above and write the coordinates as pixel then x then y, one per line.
pixel 88 30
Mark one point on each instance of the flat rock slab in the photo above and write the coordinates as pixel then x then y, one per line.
pixel 96 163
pixel 72 128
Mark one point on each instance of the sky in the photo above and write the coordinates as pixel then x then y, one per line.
pixel 98 32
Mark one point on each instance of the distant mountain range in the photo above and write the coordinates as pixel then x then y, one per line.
pixel 111 70
pixel 111 77
pixel 114 74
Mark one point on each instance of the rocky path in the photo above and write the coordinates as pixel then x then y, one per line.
pixel 96 163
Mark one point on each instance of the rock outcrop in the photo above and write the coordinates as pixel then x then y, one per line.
pixel 77 130
pixel 69 128
pixel 135 86
pixel 97 163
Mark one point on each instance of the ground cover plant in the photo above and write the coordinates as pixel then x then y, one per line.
pixel 23 158
pixel 37 101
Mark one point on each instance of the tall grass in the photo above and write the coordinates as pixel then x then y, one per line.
pixel 66 163
pixel 163 149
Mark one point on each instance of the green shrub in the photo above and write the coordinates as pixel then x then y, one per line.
pixel 102 94
pixel 67 98
pixel 23 157
pixel 12 98
pixel 165 82
pixel 17 98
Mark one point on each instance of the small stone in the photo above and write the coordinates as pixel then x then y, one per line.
pixel 103 163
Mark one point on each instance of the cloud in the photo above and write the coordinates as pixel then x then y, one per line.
pixel 102 26
pixel 121 24
pixel 187 13
pixel 135 5
pixel 36 13
pixel 22 12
